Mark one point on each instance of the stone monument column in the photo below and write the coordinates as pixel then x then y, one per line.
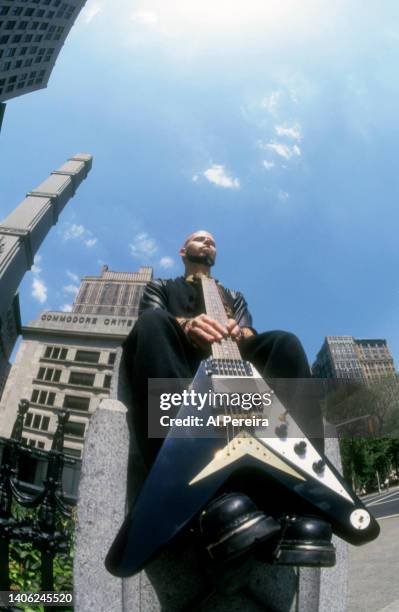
pixel 23 231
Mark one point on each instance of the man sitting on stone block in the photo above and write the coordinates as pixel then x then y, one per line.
pixel 170 339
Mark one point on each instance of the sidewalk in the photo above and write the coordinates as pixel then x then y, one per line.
pixel 373 584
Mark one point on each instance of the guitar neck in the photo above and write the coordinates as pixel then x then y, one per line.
pixel 226 348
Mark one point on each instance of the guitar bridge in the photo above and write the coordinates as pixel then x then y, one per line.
pixel 228 367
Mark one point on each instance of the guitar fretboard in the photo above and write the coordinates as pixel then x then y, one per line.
pixel 226 348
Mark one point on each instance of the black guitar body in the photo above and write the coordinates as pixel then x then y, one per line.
pixel 189 470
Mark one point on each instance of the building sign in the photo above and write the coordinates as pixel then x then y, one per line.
pixel 76 322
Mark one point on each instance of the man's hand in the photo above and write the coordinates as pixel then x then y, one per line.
pixel 203 331
pixel 234 330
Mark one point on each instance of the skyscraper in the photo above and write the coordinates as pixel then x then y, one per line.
pixel 345 357
pixel 66 359
pixel 32 33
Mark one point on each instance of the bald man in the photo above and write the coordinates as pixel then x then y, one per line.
pixel 169 340
pixel 173 334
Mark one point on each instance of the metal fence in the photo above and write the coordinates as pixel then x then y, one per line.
pixel 48 504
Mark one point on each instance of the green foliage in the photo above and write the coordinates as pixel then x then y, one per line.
pixel 362 458
pixel 25 563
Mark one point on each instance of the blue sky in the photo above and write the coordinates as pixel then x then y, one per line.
pixel 271 124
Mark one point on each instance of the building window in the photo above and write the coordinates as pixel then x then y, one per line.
pixel 87 356
pixel 45 398
pixel 36 421
pixel 75 402
pixel 72 428
pixel 73 452
pixel 53 352
pixel 111 358
pixel 28 419
pixel 10 25
pixel 49 374
pixel 107 381
pixel 40 444
pixel 4 39
pixel 82 378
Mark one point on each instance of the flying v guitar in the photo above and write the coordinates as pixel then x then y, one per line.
pixel 190 469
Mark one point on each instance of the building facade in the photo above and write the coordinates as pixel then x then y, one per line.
pixel 32 33
pixel 348 358
pixel 10 328
pixel 67 359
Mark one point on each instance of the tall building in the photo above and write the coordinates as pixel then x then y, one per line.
pixel 66 359
pixel 112 293
pixel 2 111
pixel 21 235
pixel 345 357
pixel 32 33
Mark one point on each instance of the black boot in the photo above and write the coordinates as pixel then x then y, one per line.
pixel 231 525
pixel 304 541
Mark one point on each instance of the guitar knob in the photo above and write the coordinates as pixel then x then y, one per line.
pixel 281 430
pixel 300 447
pixel 319 466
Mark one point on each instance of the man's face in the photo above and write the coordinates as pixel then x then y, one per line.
pixel 200 247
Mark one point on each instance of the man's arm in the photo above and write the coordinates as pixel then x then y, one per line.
pixel 154 296
pixel 242 315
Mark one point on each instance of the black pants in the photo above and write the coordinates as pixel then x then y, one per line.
pixel 158 348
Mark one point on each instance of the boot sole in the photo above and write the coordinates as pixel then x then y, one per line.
pixel 245 537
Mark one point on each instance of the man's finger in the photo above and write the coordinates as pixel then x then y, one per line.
pixel 215 324
pixel 197 334
pixel 216 335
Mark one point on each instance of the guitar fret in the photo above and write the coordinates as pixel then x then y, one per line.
pixel 227 348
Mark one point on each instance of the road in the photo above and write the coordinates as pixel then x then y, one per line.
pixel 384 504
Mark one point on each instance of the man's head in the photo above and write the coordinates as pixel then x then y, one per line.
pixel 200 248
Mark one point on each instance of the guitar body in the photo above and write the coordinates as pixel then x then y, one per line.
pixel 190 469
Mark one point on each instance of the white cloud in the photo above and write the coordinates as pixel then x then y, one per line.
pixel 66 307
pixel 79 232
pixel 166 262
pixel 293 132
pixel 284 150
pixel 195 178
pixel 91 10
pixel 271 102
pixel 90 242
pixel 36 269
pixel 216 174
pixel 71 289
pixel 144 17
pixel 268 164
pixel 143 246
pixel 74 231
pixel 283 195
pixel 39 290
pixel 73 277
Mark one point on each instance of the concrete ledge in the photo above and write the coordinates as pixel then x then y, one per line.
pixel 171 582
